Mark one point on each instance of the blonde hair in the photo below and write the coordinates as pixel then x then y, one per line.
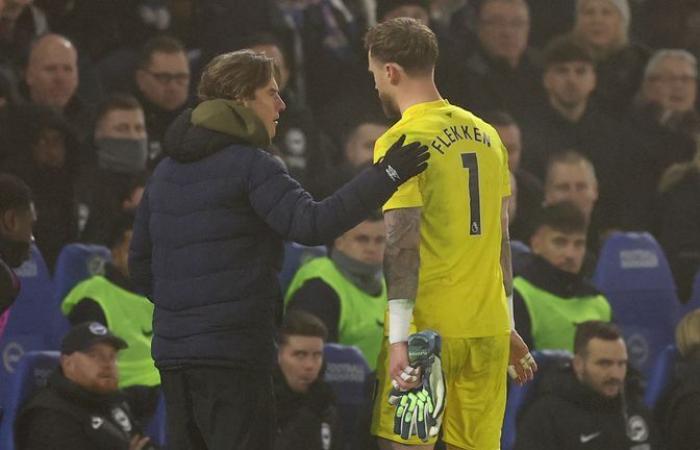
pixel 688 333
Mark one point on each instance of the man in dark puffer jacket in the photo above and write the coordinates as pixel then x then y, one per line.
pixel 208 243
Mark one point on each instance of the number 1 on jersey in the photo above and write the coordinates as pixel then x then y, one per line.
pixel 470 162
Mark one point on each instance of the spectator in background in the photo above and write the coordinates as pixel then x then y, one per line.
pixel 81 407
pixel 530 189
pixel 51 78
pixel 571 177
pixel 678 222
pixel 502 74
pixel 347 290
pixel 550 296
pixel 591 404
pixel 367 124
pixel 121 149
pixel 571 120
pixel 678 411
pixel 16 218
pixel 301 145
pixel 110 300
pixel 20 22
pixel 602 26
pixel 45 156
pixel 162 82
pixel 306 413
pixel 665 128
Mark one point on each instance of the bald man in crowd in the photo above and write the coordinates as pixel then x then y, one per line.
pixel 51 79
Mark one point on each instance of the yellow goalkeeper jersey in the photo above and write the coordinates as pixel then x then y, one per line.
pixel 460 291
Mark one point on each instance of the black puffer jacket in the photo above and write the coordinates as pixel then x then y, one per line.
pixel 571 416
pixel 208 236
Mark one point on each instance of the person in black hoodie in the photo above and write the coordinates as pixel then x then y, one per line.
pixel 208 243
pixel 591 404
pixel 45 155
pixel 306 413
pixel 678 411
pixel 81 407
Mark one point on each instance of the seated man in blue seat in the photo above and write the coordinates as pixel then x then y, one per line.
pixel 550 296
pixel 590 404
pixel 81 407
pixel 347 290
pixel 306 413
pixel 110 300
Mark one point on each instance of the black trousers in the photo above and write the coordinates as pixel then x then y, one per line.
pixel 215 408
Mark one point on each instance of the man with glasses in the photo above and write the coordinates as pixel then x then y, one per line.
pixel 163 80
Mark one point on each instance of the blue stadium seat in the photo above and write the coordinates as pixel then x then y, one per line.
pixel 32 372
pixel 519 396
pixel 35 320
pixel 347 373
pixel 634 275
pixel 76 263
pixel 294 256
pixel 661 375
pixel 156 429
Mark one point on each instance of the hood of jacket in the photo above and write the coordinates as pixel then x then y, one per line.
pixel 211 126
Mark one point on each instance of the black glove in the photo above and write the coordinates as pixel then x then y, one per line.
pixel 402 162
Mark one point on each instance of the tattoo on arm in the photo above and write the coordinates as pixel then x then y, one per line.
pixel 402 254
pixel 506 260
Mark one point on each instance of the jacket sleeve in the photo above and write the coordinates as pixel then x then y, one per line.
pixel 140 250
pixel 291 211
pixel 51 430
pixel 536 430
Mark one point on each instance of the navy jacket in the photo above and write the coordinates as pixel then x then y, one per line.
pixel 208 237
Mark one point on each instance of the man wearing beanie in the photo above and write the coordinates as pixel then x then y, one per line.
pixel 81 407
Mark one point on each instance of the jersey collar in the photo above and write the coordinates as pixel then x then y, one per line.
pixel 420 108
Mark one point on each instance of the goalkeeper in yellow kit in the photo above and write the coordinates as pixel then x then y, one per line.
pixel 447 260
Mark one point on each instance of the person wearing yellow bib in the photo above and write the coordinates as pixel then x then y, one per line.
pixel 110 300
pixel 447 261
pixel 347 290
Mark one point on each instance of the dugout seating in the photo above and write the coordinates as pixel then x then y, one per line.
pixel 77 262
pixel 634 275
pixel 31 373
pixel 347 373
pixel 294 256
pixel 660 376
pixel 520 396
pixel 35 321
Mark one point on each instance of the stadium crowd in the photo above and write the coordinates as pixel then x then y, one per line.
pixel 595 100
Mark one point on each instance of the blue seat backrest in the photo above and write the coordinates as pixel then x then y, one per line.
pixel 519 396
pixel 347 373
pixel 156 429
pixel 634 275
pixel 32 372
pixel 76 263
pixel 294 256
pixel 661 375
pixel 35 322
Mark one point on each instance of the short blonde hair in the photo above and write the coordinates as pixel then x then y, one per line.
pixel 406 42
pixel 235 75
pixel 688 333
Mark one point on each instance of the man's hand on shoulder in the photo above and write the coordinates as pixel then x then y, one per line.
pixel 402 162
